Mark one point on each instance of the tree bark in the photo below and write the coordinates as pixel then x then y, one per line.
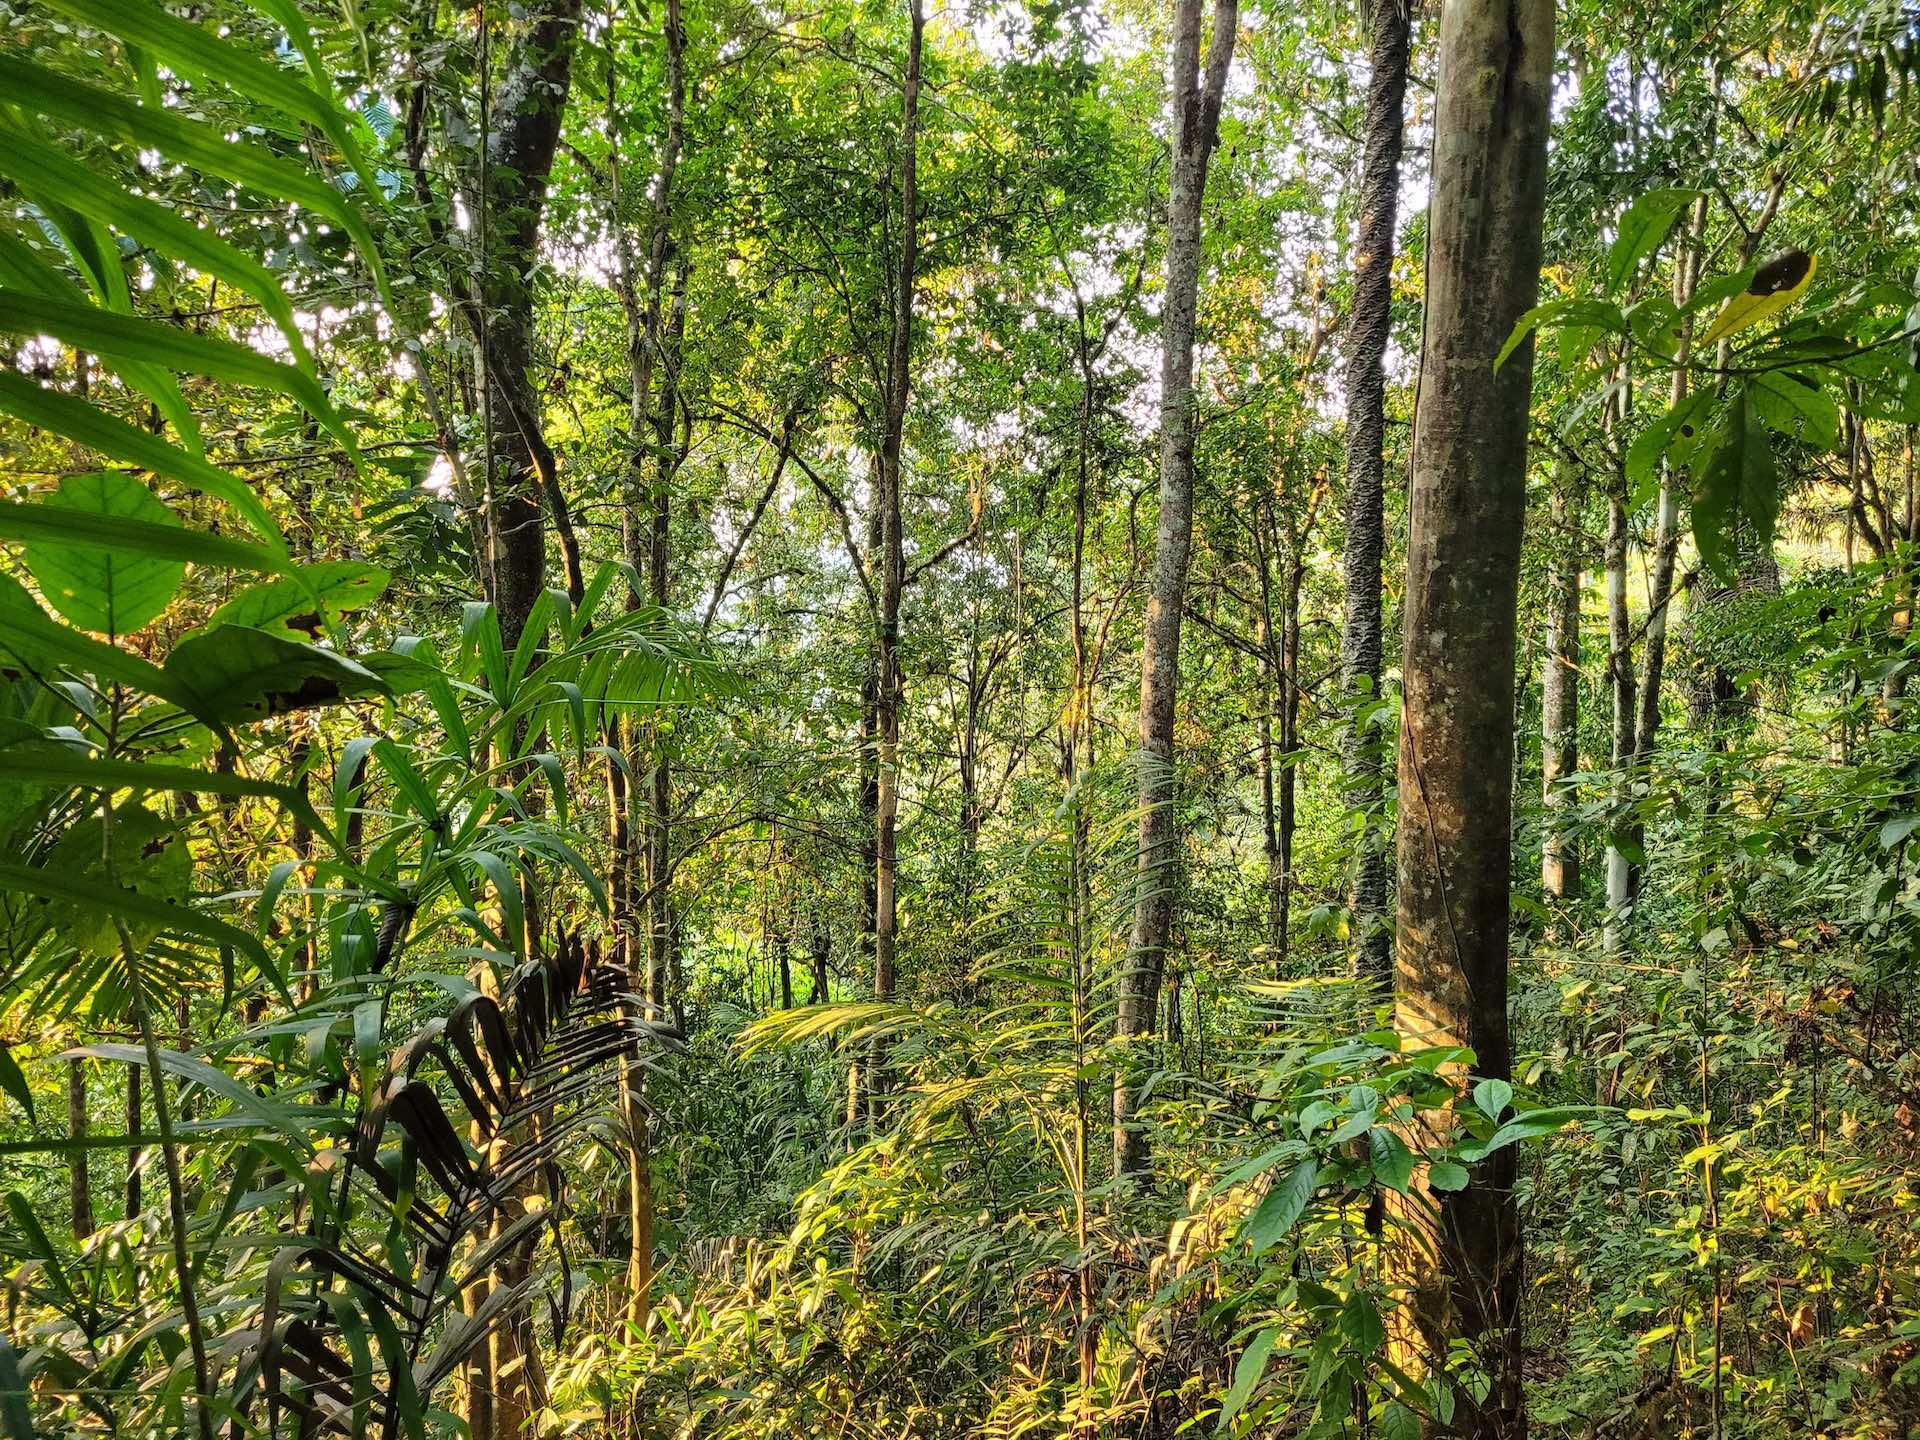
pixel 889 684
pixel 1195 103
pixel 517 158
pixel 82 1180
pixel 1621 682
pixel 1462 1275
pixel 1560 691
pixel 1389 26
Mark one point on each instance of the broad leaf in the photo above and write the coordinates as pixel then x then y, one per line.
pixel 1642 228
pixel 99 586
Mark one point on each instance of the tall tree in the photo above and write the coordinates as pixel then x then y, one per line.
pixel 518 137
pixel 1560 687
pixel 1456 746
pixel 1389 25
pixel 1195 103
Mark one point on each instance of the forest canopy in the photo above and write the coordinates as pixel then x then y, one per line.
pixel 965 721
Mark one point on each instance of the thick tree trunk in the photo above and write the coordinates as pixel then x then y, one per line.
pixel 1389 25
pixel 81 1179
pixel 1560 691
pixel 518 144
pixel 1195 103
pixel 1462 1275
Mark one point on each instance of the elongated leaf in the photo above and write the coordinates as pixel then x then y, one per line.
pixel 1738 483
pixel 60 525
pixel 47 175
pixel 148 342
pixel 1246 1374
pixel 63 764
pixel 74 418
pixel 14 1081
pixel 1579 310
pixel 213 1080
pixel 339 586
pixel 21 269
pixel 197 50
pixel 113 117
pixel 14 1415
pixel 38 642
pixel 1282 1206
pixel 1642 228
pixel 131 904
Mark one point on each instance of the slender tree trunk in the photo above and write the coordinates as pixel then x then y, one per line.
pixel 821 943
pixel 1621 682
pixel 135 1120
pixel 1666 544
pixel 1195 103
pixel 81 1179
pixel 1463 1273
pixel 889 684
pixel 1560 691
pixel 1282 888
pixel 1389 25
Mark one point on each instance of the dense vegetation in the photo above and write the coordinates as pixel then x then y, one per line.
pixel 1022 719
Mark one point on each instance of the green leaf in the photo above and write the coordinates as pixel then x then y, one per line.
pixel 198 50
pixel 80 422
pixel 62 525
pixel 1534 1123
pixel 234 673
pixel 14 1082
pixel 1246 1375
pixel 1280 1209
pixel 114 117
pixel 90 892
pixel 1738 483
pixel 147 342
pixel 339 586
pixel 1642 228
pixel 1675 436
pixel 1360 1322
pixel 217 1082
pixel 1397 1422
pixel 42 644
pixel 49 177
pixel 1793 404
pixel 99 587
pixel 1898 829
pixel 1491 1098
pixel 1392 1161
pixel 1445 1175
pixel 1576 311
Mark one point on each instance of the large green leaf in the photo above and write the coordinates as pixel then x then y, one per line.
pixel 1281 1207
pixel 1674 436
pixel 90 891
pixel 101 587
pixel 234 673
pixel 1738 487
pixel 147 342
pixel 197 50
pixel 63 525
pixel 1246 1374
pixel 115 117
pixel 80 422
pixel 46 175
pixel 1793 403
pixel 43 645
pixel 23 270
pixel 336 586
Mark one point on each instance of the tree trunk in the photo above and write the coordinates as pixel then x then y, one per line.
pixel 1389 25
pixel 134 1122
pixel 1560 692
pixel 521 479
pixel 1195 103
pixel 82 1180
pixel 1621 681
pixel 1666 544
pixel 889 684
pixel 1462 1274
